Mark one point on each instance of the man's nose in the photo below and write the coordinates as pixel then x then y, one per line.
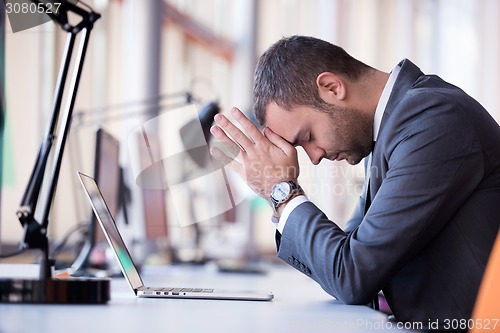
pixel 315 154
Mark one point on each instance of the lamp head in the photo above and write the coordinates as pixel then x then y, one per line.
pixel 206 117
pixel 188 132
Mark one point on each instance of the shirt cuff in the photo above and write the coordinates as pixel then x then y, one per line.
pixel 290 206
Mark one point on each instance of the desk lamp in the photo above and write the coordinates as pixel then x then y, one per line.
pixel 47 289
pixel 188 133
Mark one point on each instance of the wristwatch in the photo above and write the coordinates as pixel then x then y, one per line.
pixel 282 192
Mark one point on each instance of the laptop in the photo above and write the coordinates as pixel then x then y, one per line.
pixel 131 272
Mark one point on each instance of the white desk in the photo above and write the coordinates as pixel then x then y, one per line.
pixel 300 305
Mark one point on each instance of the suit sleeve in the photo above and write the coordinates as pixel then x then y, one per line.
pixel 434 163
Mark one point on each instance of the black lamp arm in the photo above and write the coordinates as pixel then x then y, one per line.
pixel 35 233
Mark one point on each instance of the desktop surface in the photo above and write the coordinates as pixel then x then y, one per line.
pixel 300 305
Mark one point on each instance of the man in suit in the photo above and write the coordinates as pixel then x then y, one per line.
pixel 426 222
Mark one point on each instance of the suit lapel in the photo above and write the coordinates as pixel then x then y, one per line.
pixel 407 77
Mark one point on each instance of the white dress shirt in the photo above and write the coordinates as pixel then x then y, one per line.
pixel 379 112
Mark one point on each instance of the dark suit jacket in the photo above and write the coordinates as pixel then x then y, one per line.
pixel 434 213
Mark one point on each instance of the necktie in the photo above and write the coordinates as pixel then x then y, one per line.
pixel 368 199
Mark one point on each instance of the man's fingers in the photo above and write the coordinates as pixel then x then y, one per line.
pixel 260 159
pixel 221 135
pixel 279 142
pixel 247 125
pixel 234 132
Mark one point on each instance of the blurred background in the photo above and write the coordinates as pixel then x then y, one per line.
pixel 146 57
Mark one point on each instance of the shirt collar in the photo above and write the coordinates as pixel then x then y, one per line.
pixel 384 98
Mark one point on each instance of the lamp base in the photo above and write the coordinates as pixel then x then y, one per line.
pixel 55 291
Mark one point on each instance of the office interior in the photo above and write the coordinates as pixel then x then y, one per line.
pixel 145 58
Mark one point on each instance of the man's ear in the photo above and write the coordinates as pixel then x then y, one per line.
pixel 331 87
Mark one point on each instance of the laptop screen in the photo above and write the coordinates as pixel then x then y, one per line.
pixel 111 231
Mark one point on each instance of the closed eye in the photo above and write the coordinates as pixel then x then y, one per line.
pixel 301 140
pixel 308 138
pixel 304 140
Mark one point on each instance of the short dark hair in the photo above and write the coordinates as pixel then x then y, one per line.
pixel 286 73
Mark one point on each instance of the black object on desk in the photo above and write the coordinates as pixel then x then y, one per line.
pixel 47 289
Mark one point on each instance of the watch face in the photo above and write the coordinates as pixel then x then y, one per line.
pixel 281 191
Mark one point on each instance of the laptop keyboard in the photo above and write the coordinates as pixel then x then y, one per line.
pixel 175 291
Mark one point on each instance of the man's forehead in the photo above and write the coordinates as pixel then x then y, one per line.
pixel 285 123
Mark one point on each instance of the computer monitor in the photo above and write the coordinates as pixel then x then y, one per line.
pixel 108 175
